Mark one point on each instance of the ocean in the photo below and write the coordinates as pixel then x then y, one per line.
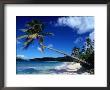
pixel 42 67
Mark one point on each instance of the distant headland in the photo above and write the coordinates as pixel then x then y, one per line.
pixel 60 59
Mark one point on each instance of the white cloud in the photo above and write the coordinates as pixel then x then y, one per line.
pixel 91 36
pixel 78 40
pixel 83 24
pixel 22 56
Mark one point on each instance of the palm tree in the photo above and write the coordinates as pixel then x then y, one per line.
pixel 34 31
pixel 89 44
pixel 75 52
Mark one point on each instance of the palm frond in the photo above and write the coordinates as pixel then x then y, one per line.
pixel 23 30
pixel 27 43
pixel 41 39
pixel 34 35
pixel 36 22
pixel 23 36
pixel 32 23
pixel 30 31
pixel 42 47
pixel 29 24
pixel 38 27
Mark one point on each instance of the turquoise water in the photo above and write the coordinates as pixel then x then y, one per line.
pixel 31 67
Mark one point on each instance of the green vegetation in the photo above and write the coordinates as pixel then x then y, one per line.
pixel 86 53
pixel 34 31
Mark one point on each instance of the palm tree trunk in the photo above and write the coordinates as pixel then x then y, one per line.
pixel 61 52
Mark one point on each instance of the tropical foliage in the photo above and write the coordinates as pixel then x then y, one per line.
pixel 34 31
pixel 86 53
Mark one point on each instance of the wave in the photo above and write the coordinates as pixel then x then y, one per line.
pixel 28 71
pixel 62 66
pixel 69 66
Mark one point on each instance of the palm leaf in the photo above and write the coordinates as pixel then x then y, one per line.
pixel 34 35
pixel 36 22
pixel 29 24
pixel 24 30
pixel 38 28
pixel 32 23
pixel 30 31
pixel 28 43
pixel 42 47
pixel 23 36
pixel 41 39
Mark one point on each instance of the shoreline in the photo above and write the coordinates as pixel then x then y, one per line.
pixel 66 68
pixel 70 68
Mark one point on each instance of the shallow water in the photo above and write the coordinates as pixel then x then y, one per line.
pixel 31 67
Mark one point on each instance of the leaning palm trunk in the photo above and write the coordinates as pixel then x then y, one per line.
pixel 61 52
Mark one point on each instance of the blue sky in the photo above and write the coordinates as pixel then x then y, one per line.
pixel 69 31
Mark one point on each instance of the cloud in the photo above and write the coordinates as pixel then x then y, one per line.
pixel 22 56
pixel 83 24
pixel 91 36
pixel 78 40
